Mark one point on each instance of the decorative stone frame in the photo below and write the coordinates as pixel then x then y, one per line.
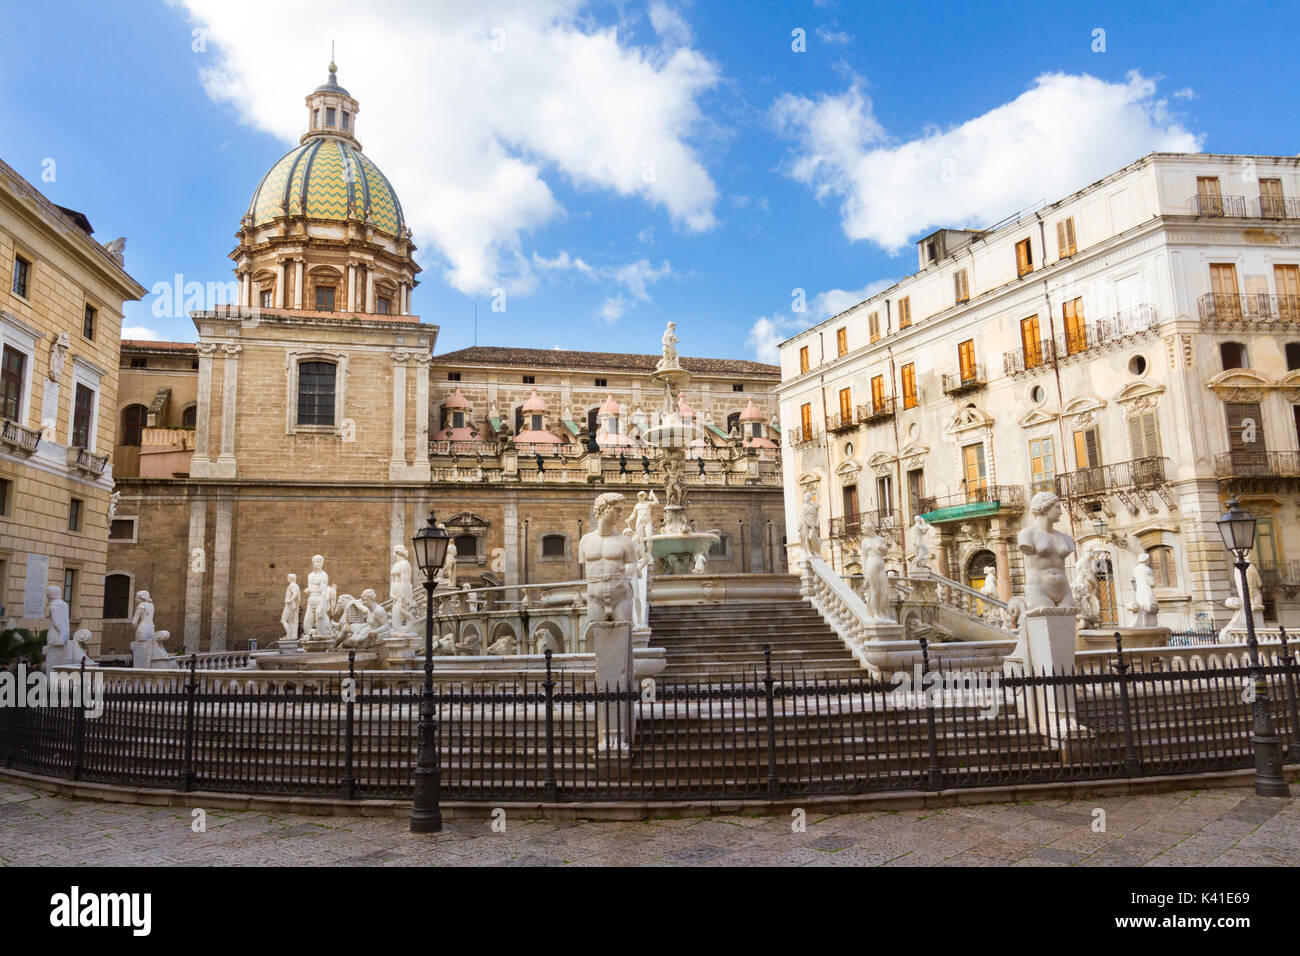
pixel 130 596
pixel 23 338
pixel 564 558
pixel 326 277
pixel 135 529
pixel 91 376
pixel 467 523
pixel 292 361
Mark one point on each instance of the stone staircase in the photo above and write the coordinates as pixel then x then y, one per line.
pixel 725 640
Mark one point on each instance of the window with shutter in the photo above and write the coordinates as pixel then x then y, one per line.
pixel 873 321
pixel 877 393
pixel 1042 464
pixel 805 419
pixel 973 468
pixel 803 360
pixel 1245 433
pixel 1087 450
pixel 1024 257
pixel 1030 342
pixel 1208 196
pixel 1270 199
pixel 966 360
pixel 1286 279
pixel 1076 333
pixel 909 385
pixel 1143 435
pixel 904 312
pixel 1065 246
pixel 961 286
pixel 842 340
pixel 846 405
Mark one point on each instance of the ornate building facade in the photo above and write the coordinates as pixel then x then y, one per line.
pixel 1134 347
pixel 314 418
pixel 60 326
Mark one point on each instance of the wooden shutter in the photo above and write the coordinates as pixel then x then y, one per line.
pixel 966 359
pixel 1087 452
pixel 973 468
pixel 1208 196
pixel 1144 435
pixel 1030 342
pixel 1286 279
pixel 877 393
pixel 961 286
pixel 1270 199
pixel 909 385
pixel 1024 257
pixel 1065 246
pixel 805 420
pixel 1076 333
pixel 1240 414
pixel 904 312
pixel 873 320
pixel 842 340
pixel 803 359
pixel 846 405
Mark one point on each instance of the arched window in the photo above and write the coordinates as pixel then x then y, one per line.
pixel 1233 355
pixel 133 419
pixel 1106 591
pixel 316 381
pixel 722 549
pixel 190 417
pixel 975 568
pixel 1162 563
pixel 733 421
pixel 117 597
pixel 552 545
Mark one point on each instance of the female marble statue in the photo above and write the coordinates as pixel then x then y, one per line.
pixel 292 602
pixel 59 617
pixel 399 591
pixel 920 534
pixel 1045 551
pixel 809 527
pixel 875 579
pixel 1086 588
pixel 1145 607
pixel 448 572
pixel 142 620
pixel 670 347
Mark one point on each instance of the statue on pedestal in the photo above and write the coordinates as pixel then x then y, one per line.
pixel 148 644
pixel 640 523
pixel 448 572
pixel 1045 551
pixel 610 559
pixel 320 599
pixel 1145 606
pixel 810 540
pixel 876 591
pixel 990 590
pixel 399 592
pixel 142 619
pixel 920 538
pixel 670 348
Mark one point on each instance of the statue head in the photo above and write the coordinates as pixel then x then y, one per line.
pixel 671 326
pixel 53 592
pixel 317 562
pixel 81 635
pixel 642 495
pixel 368 596
pixel 1144 558
pixel 293 578
pixel 400 552
pixel 1045 503
pixel 606 504
pixel 143 596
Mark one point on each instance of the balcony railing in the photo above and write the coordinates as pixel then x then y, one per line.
pixel 967 380
pixel 846 526
pixel 89 462
pixel 864 524
pixel 1039 355
pixel 1009 498
pixel 1265 208
pixel 1139 473
pixel 1258 464
pixel 838 422
pixel 459 448
pixel 803 436
pixel 19 437
pixel 1232 308
pixel 1218 207
pixel 1281 574
pixel 876 411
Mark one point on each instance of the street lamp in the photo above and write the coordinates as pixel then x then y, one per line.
pixel 430 547
pixel 1237 529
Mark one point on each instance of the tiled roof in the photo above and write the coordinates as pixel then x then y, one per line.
pixel 612 361
pixel 144 345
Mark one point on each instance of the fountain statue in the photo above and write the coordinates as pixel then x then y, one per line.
pixel 676 545
pixel 1145 608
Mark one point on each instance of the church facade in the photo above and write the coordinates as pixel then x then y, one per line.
pixel 313 417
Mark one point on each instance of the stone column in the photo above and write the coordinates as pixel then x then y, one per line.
pixel 405 306
pixel 1002 552
pixel 221 542
pixel 245 299
pixel 510 532
pixel 421 451
pixel 195 568
pixel 281 281
pixel 201 461
pixel 370 289
pixel 229 397
pixel 397 461
pixel 346 304
pixel 298 279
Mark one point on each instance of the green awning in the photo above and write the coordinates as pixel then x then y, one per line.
pixel 975 509
pixel 572 426
pixel 494 424
pixel 717 431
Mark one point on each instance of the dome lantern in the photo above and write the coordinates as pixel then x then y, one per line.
pixel 331 111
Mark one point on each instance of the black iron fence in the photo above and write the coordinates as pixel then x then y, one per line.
pixel 762 734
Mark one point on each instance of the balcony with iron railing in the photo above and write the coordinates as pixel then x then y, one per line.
pixel 966 380
pixel 1205 206
pixel 1285 574
pixel 87 461
pixel 1268 208
pixel 887 523
pixel 19 437
pixel 1037 357
pixel 876 411
pixel 839 422
pixel 799 435
pixel 1137 474
pixel 1257 464
pixel 1228 309
pixel 976 501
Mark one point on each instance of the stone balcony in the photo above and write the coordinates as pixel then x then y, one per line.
pixel 1258 471
pixel 1096 335
pixel 1249 310
pixel 838 422
pixel 966 380
pixel 876 412
pixel 19 438
pixel 86 462
pixel 166 452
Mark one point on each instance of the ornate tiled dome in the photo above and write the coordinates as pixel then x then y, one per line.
pixel 326 178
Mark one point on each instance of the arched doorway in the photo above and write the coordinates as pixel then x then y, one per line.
pixel 975 566
pixel 1106 591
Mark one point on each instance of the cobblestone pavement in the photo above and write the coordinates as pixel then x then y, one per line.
pixel 1228 827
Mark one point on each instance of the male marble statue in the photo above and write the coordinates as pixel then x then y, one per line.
pixel 1045 551
pixel 875 578
pixel 372 629
pixel 610 559
pixel 670 347
pixel 448 572
pixel 1145 607
pixel 990 590
pixel 399 592
pixel 289 616
pixel 319 603
pixel 809 527
pixel 640 523
pixel 1085 588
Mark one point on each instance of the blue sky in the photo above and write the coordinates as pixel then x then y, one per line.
pixel 522 166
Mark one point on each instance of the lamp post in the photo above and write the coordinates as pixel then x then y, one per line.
pixel 430 546
pixel 1237 528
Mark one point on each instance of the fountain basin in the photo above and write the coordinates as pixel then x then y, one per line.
pixel 676 552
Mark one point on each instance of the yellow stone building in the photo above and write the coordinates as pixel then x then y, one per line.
pixel 61 325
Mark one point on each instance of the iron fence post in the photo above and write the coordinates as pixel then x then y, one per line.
pixel 773 785
pixel 191 691
pixel 934 776
pixel 1130 761
pixel 10 725
pixel 1289 688
pixel 349 779
pixel 550 791
pixel 79 725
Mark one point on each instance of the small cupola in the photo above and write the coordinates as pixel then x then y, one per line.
pixel 331 111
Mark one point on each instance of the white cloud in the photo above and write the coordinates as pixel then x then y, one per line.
pixel 140 333
pixel 474 108
pixel 830 35
pixel 613 308
pixel 1061 134
pixel 634 277
pixel 769 331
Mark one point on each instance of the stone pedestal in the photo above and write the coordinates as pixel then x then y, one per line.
pixel 150 654
pixel 612 643
pixel 1103 638
pixel 1046 647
